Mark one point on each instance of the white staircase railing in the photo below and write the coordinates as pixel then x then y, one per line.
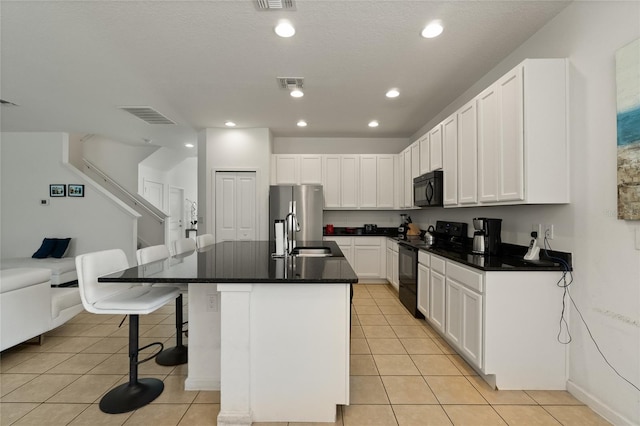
pixel 152 224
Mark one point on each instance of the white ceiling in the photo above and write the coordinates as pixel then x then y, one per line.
pixel 70 64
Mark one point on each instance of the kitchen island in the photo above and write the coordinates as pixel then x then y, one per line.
pixel 272 334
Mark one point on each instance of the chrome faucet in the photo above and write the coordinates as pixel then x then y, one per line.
pixel 290 230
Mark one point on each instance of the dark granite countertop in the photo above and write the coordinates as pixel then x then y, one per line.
pixel 243 262
pixel 361 232
pixel 511 258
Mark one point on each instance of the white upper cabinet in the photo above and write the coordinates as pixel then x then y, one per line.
pixel 286 170
pixel 415 162
pixel 332 181
pixel 368 181
pixel 425 161
pixel 467 154
pixel 522 136
pixel 511 166
pixel 385 181
pixel 296 169
pixel 399 195
pixel 407 180
pixel 350 178
pixel 488 145
pixel 377 181
pixel 349 181
pixel 450 160
pixel 435 148
pixel 310 169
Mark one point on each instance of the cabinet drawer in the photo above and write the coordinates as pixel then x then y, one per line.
pixel 367 241
pixel 424 258
pixel 465 276
pixel 341 241
pixel 392 244
pixel 437 264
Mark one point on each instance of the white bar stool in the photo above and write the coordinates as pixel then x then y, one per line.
pixel 122 298
pixel 178 354
pixel 205 240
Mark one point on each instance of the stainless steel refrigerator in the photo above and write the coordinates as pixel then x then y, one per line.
pixel 306 201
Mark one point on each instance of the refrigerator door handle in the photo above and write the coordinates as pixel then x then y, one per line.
pixel 295 215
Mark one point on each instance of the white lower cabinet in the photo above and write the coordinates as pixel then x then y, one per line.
pixel 366 260
pixel 346 246
pixel 366 255
pixel 423 289
pixel 464 320
pixel 437 307
pixel 392 263
pixel 497 321
pixel 464 311
pixel 453 324
pixel 437 293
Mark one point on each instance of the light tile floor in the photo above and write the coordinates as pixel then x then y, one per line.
pixel 402 373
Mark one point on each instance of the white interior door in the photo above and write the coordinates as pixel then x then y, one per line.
pixel 154 193
pixel 176 210
pixel 235 207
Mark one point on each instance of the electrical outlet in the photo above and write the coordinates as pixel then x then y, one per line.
pixel 548 231
pixel 537 227
pixel 44 202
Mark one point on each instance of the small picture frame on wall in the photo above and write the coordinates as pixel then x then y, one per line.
pixel 57 190
pixel 76 190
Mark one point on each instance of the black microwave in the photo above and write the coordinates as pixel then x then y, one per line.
pixel 427 189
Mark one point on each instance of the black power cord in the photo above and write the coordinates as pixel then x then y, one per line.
pixel 566 270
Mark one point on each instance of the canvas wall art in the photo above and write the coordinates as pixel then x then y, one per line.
pixel 628 120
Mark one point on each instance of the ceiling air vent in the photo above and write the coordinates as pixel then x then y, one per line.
pixel 275 5
pixel 148 114
pixel 290 82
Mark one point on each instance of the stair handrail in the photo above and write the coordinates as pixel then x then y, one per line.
pixel 132 198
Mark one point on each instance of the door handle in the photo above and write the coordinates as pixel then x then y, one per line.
pixel 429 192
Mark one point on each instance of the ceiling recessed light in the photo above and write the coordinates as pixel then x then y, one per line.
pixel 432 30
pixel 285 29
pixel 373 123
pixel 393 93
pixel 302 123
pixel 297 93
pixel 189 145
pixel 230 124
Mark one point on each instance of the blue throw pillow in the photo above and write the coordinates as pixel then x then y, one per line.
pixel 60 248
pixel 45 250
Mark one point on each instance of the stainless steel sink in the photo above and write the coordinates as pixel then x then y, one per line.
pixel 312 252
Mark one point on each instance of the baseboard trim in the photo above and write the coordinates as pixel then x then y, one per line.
pixel 598 406
pixel 234 418
pixel 201 384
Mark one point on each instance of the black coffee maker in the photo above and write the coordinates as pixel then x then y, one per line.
pixel 486 238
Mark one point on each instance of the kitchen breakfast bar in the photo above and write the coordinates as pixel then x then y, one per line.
pixel 272 334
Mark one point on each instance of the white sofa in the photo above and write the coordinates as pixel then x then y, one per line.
pixel 29 306
pixel 63 270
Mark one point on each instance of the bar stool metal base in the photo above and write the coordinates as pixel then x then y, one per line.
pixel 173 356
pixel 128 397
pixel 178 354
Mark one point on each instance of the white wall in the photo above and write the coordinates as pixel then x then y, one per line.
pixel 94 221
pixel 185 176
pixel 607 264
pixel 233 150
pixel 118 160
pixel 282 145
